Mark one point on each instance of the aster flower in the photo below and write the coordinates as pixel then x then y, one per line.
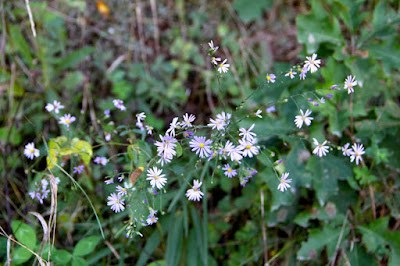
pixel 121 191
pixel 291 73
pixel 166 149
pixel 349 84
pixel 258 113
pixel 187 120
pixel 346 151
pixel 225 117
pixel 156 178
pixel 78 169
pixel 116 203
pixel 149 130
pixel 303 73
pixel 247 134
pixel 30 151
pixel 270 109
pixel 212 47
pixel 358 150
pixel 229 172
pixel 151 219
pixel 172 126
pixel 320 149
pixel 107 136
pixel 303 118
pixel 270 78
pixel 56 106
pixel 109 181
pixel 201 146
pixel 67 119
pixel 107 113
pixel 223 67
pixel 243 181
pixel 140 117
pixel 312 63
pixel 322 100
pixel 188 134
pixel 194 193
pixel 119 104
pixel 215 60
pixel 217 124
pixel 212 155
pixel 100 160
pixel 247 147
pixel 284 182
pixel 233 152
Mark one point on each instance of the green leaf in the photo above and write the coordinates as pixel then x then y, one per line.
pixel 158 263
pixel 175 240
pixel 72 80
pixel 249 11
pixel 178 150
pixel 326 172
pixel 61 256
pixel 24 234
pixel 372 235
pixel 20 43
pixel 21 255
pixel 74 58
pixel 358 257
pixel 78 261
pixel 152 243
pixel 317 240
pixel 86 246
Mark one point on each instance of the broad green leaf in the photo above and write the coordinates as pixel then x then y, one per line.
pixel 72 80
pixel 178 150
pixel 359 257
pixel 158 263
pixel 24 234
pixel 79 261
pixel 21 255
pixel 317 240
pixel 86 246
pixel 251 11
pixel 61 256
pixel 372 235
pixel 74 58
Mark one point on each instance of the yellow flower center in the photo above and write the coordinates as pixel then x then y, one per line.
pixel 304 118
pixel 201 145
pixel 268 77
pixel 195 189
pixel 320 145
pixel 67 121
pixel 221 65
pixel 156 177
pixel 248 147
pixel 32 150
pixel 229 170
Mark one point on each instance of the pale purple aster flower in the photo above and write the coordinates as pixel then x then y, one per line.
pixel 217 124
pixel 329 95
pixel 358 150
pixel 119 104
pixel 212 47
pixel 172 127
pixel 248 148
pixel 100 160
pixel 67 119
pixel 149 130
pixel 303 73
pixel 201 146
pixel 121 190
pixel 270 78
pixel 247 134
pixel 188 134
pixel 56 106
pixel 187 120
pixel 107 113
pixel 350 83
pixel 229 172
pixel 107 136
pixel 215 60
pixel 78 169
pixel 116 203
pixel 156 178
pixel 291 74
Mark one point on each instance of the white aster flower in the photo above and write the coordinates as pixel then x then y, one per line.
pixel 151 219
pixel 320 150
pixel 149 130
pixel 312 63
pixel 270 78
pixel 247 147
pixel 187 120
pixel 116 203
pixel 172 126
pixel 67 119
pixel 225 117
pixel 233 152
pixel 119 104
pixel 284 184
pixel 56 106
pixel 201 146
pixel 229 172
pixel 30 151
pixel 349 84
pixel 346 151
pixel 156 178
pixel 217 124
pixel 107 136
pixel 215 60
pixel 247 134
pixel 258 113
pixel 291 73
pixel 223 67
pixel 358 150
pixel 140 117
pixel 303 118
pixel 195 193
pixel 100 160
pixel 214 48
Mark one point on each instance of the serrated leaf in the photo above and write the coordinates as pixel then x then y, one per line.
pixel 86 246
pixel 24 234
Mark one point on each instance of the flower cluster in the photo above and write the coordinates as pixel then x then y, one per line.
pixel 42 191
pixel 222 67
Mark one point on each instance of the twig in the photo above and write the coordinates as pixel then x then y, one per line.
pixel 340 238
pixel 264 232
pixel 112 249
pixel 30 18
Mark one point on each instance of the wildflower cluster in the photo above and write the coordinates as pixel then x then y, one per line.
pixel 222 67
pixel 41 190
